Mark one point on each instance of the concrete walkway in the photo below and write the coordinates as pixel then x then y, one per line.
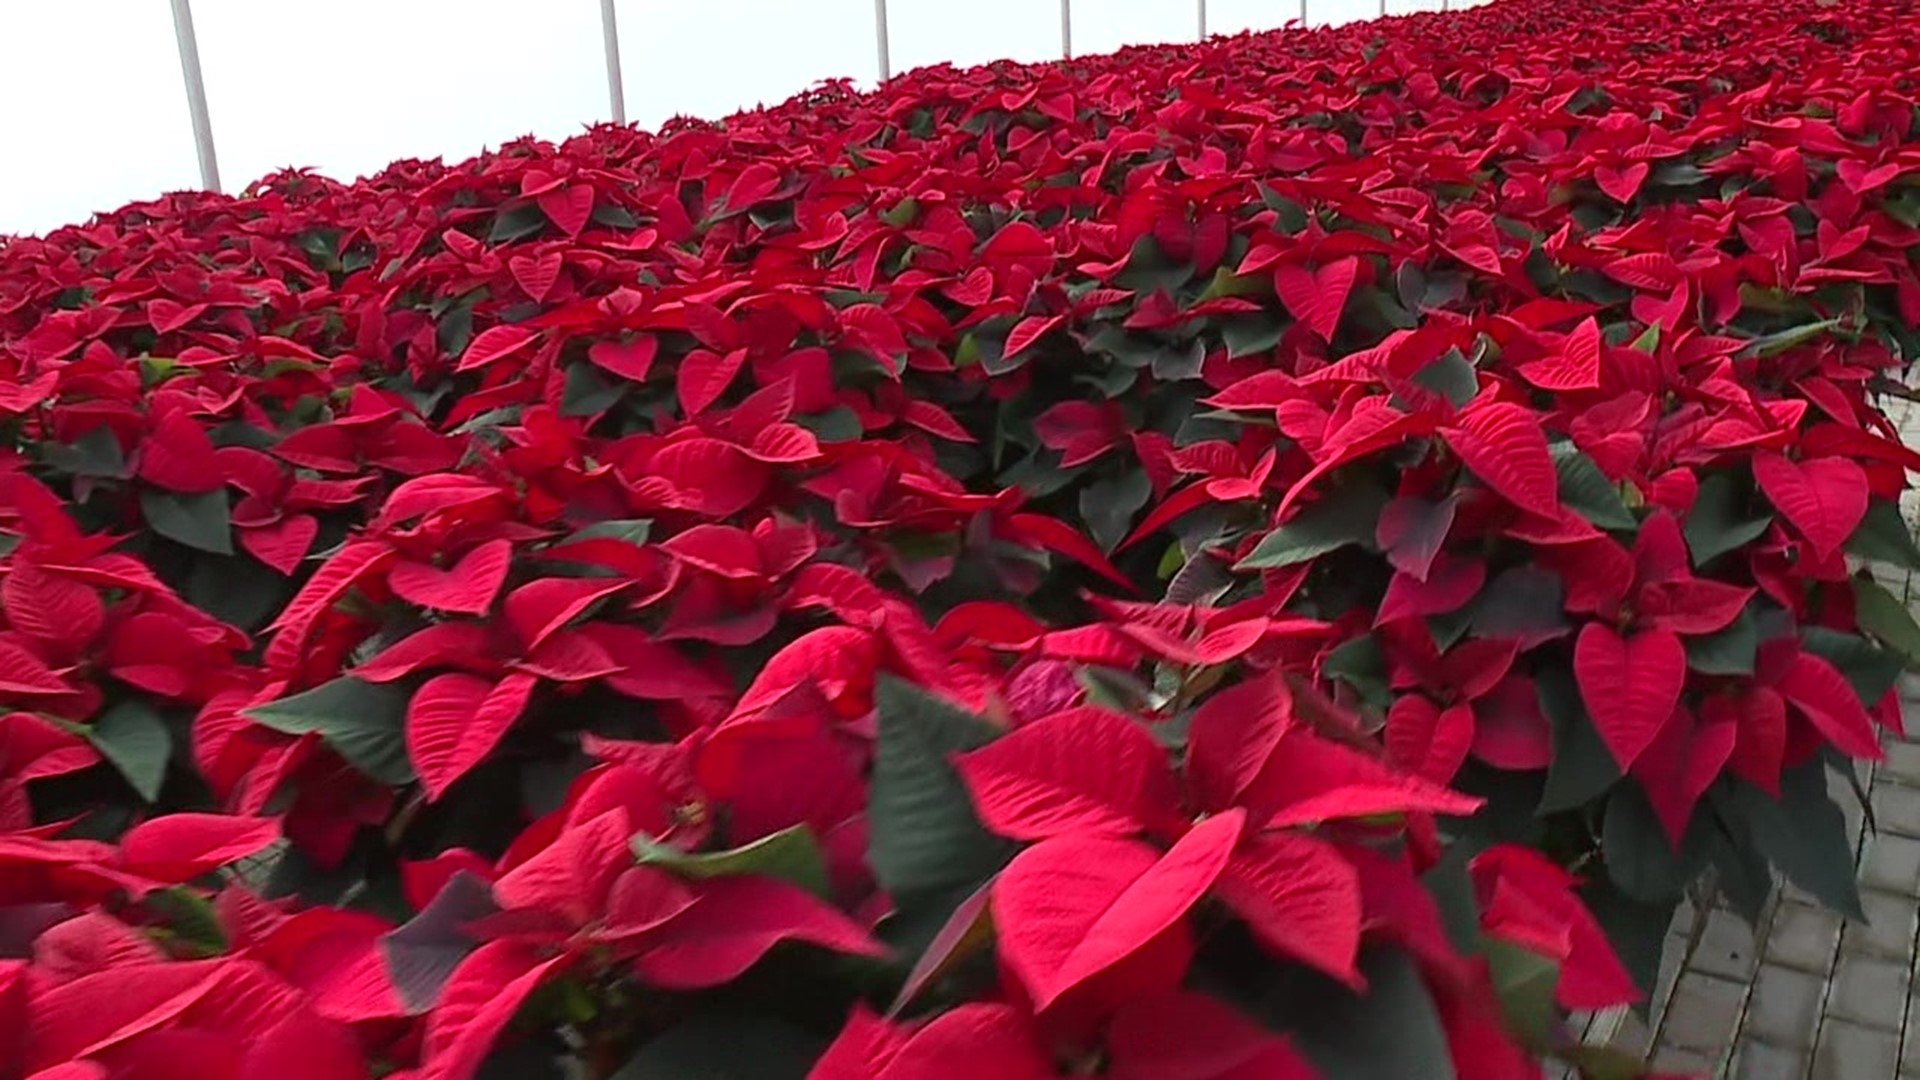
pixel 1809 996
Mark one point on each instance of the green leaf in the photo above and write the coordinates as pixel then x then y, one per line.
pixel 1582 765
pixel 1883 536
pixel 923 833
pixel 1451 883
pixel 1904 207
pixel 135 739
pixel 1885 617
pixel 838 424
pixel 516 222
pixel 710 1046
pixel 286 364
pixel 1250 335
pixel 1678 174
pixel 1392 1032
pixel 1449 627
pixel 1640 860
pixel 191 918
pixel 1741 872
pixel 1441 289
pixel 1342 518
pixel 1171 561
pixel 1112 688
pixel 613 216
pixel 1803 833
pixel 1637 931
pixel 965 354
pixel 455 331
pixel 965 934
pixel 155 370
pixel 199 521
pixel 1777 343
pixel 1290 216
pixel 1719 521
pixel 1585 488
pixel 236 589
pixel 1525 981
pixel 1360 664
pixel 364 722
pixel 993 356
pixel 1379 307
pixel 633 531
pixel 1172 365
pixel 1227 283
pixel 589 391
pixel 902 213
pixel 792 855
pixel 1410 282
pixel 1649 339
pixel 1130 351
pixel 1524 602
pixel 96 453
pixel 1726 652
pixel 1871 669
pixel 1108 506
pixel 1200 581
pixel 1451 375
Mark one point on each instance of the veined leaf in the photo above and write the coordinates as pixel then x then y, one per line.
pixel 923 832
pixel 1342 518
pixel 1885 617
pixel 1884 536
pixel 1719 521
pixel 136 740
pixel 792 854
pixel 364 722
pixel 199 521
pixel 1585 488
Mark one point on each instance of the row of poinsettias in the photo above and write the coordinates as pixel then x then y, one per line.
pixel 1011 831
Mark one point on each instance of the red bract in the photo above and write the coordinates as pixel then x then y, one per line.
pixel 1041 571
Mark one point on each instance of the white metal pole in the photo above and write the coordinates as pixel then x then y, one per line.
pixel 196 95
pixel 610 40
pixel 1066 29
pixel 1303 14
pixel 880 39
pixel 1202 5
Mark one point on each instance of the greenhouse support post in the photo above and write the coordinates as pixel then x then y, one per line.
pixel 610 41
pixel 196 95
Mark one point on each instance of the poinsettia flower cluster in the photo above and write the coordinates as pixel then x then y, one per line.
pixel 1159 565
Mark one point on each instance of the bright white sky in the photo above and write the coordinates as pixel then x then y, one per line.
pixel 94 113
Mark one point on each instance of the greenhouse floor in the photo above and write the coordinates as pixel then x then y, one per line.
pixel 1809 995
